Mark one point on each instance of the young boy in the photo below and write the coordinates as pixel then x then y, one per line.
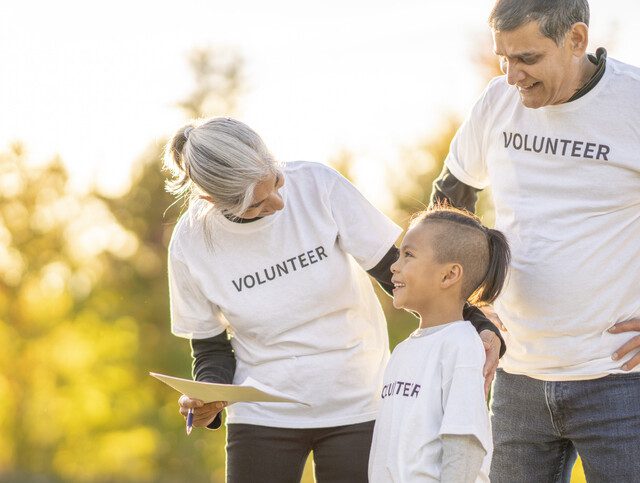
pixel 433 423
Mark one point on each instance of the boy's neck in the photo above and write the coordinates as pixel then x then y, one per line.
pixel 443 314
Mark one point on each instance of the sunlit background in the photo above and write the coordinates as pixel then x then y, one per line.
pixel 89 93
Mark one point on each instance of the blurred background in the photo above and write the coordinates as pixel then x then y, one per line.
pixel 89 95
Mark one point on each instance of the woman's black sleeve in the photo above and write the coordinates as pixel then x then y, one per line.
pixel 382 271
pixel 213 361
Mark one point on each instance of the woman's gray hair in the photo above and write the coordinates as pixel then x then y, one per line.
pixel 220 157
pixel 555 17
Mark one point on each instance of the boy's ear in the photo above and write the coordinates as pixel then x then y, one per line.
pixel 452 274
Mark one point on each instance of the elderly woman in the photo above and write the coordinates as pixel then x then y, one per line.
pixel 277 255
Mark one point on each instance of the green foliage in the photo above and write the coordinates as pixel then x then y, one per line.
pixel 84 315
pixel 219 83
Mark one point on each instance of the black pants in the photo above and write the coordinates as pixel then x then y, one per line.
pixel 278 455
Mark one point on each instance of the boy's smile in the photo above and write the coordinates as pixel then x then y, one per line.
pixel 416 274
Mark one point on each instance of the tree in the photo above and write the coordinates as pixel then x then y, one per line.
pixel 219 82
pixel 68 364
pixel 84 317
pixel 150 213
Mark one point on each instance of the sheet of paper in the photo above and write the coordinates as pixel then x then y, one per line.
pixel 249 391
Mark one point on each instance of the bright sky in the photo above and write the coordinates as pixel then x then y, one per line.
pixel 97 81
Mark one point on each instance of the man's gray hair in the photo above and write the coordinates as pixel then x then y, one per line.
pixel 555 17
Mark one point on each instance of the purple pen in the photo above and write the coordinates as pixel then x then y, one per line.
pixel 189 421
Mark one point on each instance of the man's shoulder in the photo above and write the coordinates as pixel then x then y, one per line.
pixel 498 87
pixel 620 91
pixel 496 95
pixel 623 70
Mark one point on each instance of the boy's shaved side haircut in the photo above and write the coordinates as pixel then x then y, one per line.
pixel 484 254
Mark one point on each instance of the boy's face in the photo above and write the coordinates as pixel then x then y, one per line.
pixel 416 274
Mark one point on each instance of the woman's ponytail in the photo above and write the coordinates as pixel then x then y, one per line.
pixel 175 164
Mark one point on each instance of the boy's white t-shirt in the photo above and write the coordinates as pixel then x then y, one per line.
pixel 293 290
pixel 566 185
pixel 433 385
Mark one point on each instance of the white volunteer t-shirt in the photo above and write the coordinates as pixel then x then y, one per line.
pixel 293 290
pixel 566 186
pixel 432 386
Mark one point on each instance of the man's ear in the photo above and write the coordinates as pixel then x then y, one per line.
pixel 452 274
pixel 578 38
pixel 207 198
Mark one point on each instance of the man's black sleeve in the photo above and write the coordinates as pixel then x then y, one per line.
pixel 213 361
pixel 477 318
pixel 450 190
pixel 382 273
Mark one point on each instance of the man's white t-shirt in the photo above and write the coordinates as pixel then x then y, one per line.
pixel 566 186
pixel 293 290
pixel 432 386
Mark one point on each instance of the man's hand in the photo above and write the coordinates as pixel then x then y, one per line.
pixel 203 414
pixel 490 314
pixel 491 344
pixel 633 344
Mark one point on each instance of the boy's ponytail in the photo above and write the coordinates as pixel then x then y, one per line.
pixel 499 258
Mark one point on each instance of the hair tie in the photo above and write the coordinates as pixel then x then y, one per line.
pixel 187 130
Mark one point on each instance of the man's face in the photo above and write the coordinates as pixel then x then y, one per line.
pixel 544 73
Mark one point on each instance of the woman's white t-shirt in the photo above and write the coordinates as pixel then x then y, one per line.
pixel 292 289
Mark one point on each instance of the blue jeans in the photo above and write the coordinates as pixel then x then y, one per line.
pixel 539 428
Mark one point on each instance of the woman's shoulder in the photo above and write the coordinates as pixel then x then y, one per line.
pixel 311 177
pixel 310 168
pixel 188 227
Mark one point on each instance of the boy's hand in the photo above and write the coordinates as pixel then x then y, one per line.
pixel 491 344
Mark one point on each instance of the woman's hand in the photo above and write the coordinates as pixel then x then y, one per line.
pixel 203 413
pixel 492 345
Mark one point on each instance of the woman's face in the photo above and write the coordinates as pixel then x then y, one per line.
pixel 266 197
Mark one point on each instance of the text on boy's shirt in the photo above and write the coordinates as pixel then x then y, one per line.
pixel 401 388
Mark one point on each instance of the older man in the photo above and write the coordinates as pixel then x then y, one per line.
pixel 558 139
